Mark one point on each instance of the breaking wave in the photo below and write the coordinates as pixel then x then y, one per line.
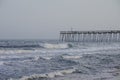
pixel 47 75
pixel 88 64
pixel 44 60
pixel 56 46
pixel 35 67
pixel 37 45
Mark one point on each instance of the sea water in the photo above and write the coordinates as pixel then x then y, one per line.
pixel 39 59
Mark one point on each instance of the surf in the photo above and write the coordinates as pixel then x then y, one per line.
pixel 56 46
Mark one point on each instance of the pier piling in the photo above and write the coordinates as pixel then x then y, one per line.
pixel 90 36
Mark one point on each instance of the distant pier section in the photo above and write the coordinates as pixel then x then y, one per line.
pixel 90 36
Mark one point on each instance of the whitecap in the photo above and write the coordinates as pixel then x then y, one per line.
pixel 55 46
pixel 71 57
pixel 39 58
pixel 47 75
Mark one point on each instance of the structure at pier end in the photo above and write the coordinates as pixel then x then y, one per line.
pixel 90 36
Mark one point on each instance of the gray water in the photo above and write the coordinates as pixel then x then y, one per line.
pixel 35 59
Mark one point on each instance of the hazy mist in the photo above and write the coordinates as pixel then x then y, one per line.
pixel 43 19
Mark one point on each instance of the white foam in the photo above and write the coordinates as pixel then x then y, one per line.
pixel 68 71
pixel 54 74
pixel 47 75
pixel 37 58
pixel 55 46
pixel 71 57
pixel 42 58
pixel 15 51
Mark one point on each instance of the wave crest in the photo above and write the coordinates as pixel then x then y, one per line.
pixel 56 46
pixel 47 75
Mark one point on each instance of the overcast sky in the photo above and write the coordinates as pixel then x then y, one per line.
pixel 43 19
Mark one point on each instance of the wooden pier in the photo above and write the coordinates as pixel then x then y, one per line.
pixel 90 36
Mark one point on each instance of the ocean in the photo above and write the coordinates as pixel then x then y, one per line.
pixel 54 60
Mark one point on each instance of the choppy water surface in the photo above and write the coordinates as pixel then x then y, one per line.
pixel 38 59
